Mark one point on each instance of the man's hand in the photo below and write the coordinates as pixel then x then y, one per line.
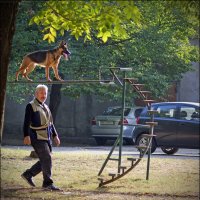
pixel 27 140
pixel 56 140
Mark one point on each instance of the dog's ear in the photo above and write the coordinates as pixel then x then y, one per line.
pixel 62 43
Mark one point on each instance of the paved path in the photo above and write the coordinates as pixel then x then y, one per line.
pixel 127 150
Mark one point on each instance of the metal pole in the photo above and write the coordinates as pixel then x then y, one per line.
pixel 148 161
pixel 61 82
pixel 149 150
pixel 108 157
pixel 122 120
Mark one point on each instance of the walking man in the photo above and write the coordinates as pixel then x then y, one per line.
pixel 39 131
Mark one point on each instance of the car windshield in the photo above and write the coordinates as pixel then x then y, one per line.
pixel 116 111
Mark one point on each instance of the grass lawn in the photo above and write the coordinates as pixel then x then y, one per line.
pixel 76 173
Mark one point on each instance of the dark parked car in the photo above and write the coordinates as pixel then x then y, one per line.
pixel 107 125
pixel 178 126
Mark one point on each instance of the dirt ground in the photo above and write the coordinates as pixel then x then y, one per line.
pixel 9 194
pixel 171 179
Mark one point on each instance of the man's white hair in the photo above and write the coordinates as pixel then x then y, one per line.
pixel 41 87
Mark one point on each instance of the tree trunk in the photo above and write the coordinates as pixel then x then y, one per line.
pixel 8 11
pixel 55 98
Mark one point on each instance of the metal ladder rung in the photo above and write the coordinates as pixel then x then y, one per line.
pixel 115 159
pixel 123 168
pixel 131 79
pixel 138 84
pixel 112 175
pixel 132 160
pixel 148 135
pixel 152 111
pixel 107 82
pixel 152 123
pixel 141 147
pixel 148 100
pixel 142 91
pixel 125 69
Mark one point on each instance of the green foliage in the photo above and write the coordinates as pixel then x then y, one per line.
pixel 26 39
pixel 151 37
pixel 105 19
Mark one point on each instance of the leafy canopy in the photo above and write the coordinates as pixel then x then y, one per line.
pixel 155 42
pixel 87 18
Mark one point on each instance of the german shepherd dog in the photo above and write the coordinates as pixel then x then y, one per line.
pixel 44 58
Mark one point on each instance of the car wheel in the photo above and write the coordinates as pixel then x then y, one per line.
pixel 143 141
pixel 100 141
pixel 169 150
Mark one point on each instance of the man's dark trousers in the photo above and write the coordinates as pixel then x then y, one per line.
pixel 43 150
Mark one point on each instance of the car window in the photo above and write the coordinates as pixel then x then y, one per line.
pixel 138 112
pixel 189 113
pixel 166 111
pixel 116 111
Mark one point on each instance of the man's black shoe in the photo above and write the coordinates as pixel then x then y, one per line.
pixel 28 179
pixel 51 187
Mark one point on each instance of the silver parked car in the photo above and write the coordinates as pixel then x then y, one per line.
pixel 107 125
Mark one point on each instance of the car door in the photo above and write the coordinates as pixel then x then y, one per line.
pixel 188 128
pixel 166 130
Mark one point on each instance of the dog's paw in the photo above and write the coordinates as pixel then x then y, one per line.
pixel 59 79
